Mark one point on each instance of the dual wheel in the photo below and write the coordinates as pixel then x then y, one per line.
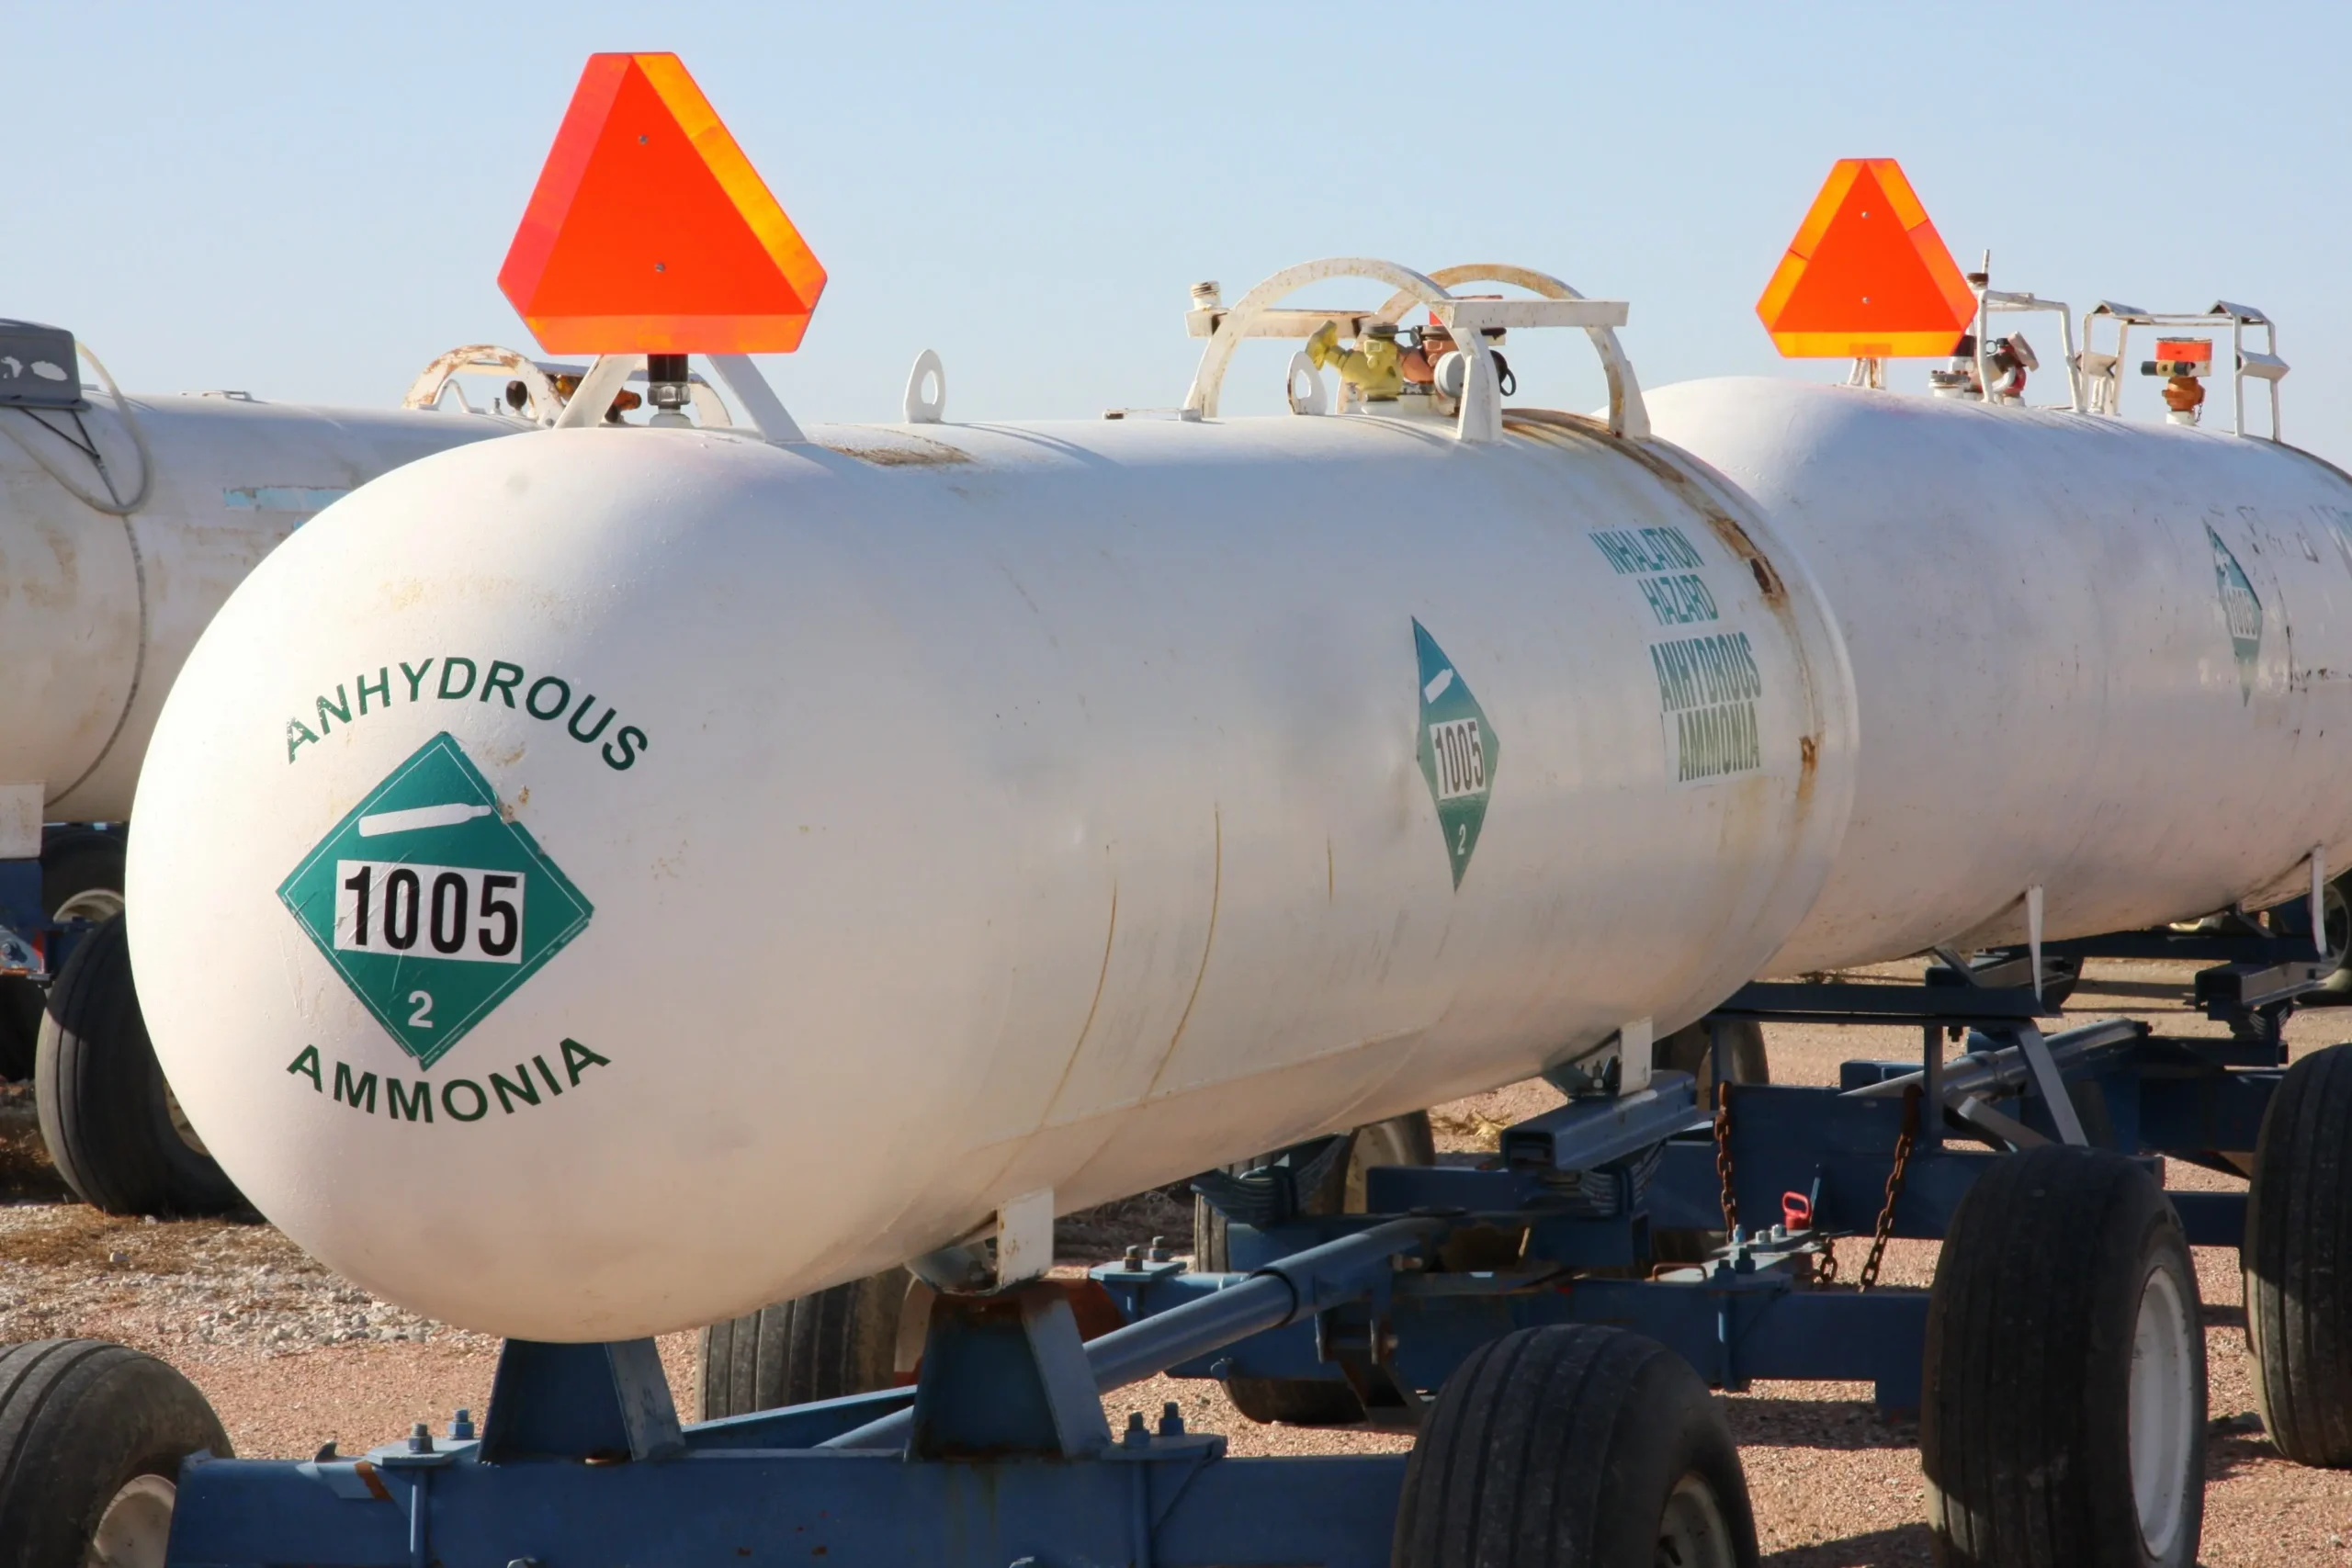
pixel 115 1130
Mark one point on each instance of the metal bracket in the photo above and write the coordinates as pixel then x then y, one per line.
pixel 1588 1133
pixel 1007 1374
pixel 2052 1087
pixel 580 1402
pixel 1022 1230
pixel 919 409
pixel 1977 1111
pixel 761 405
pixel 593 399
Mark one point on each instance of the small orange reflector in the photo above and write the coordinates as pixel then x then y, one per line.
pixel 650 232
pixel 1867 276
pixel 2179 349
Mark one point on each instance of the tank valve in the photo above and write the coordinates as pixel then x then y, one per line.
pixel 1418 363
pixel 2183 362
pixel 668 389
pixel 1958 380
pixel 1370 371
pixel 1422 363
pixel 2010 359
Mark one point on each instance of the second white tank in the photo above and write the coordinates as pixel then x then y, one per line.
pixel 2111 661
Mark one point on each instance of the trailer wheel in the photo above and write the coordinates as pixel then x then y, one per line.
pixel 115 1130
pixel 1573 1444
pixel 1311 1402
pixel 2063 1417
pixel 80 878
pixel 2298 1254
pixel 822 1346
pixel 91 1440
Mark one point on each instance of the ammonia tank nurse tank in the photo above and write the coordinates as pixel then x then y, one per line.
pixel 636 874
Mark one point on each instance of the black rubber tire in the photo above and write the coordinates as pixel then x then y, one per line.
pixel 2025 1430
pixel 81 1420
pixel 20 1008
pixel 823 1346
pixel 1560 1447
pixel 2298 1260
pixel 74 861
pixel 1310 1402
pixel 106 1112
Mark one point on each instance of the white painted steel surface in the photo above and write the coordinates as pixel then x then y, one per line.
pixel 2051 693
pixel 99 610
pixel 1011 808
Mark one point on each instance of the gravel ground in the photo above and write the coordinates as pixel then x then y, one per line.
pixel 292 1356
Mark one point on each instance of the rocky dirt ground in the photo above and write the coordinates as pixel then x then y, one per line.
pixel 292 1356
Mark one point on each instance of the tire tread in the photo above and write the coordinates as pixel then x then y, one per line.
pixel 2024 1424
pixel 2298 1250
pixel 822 1346
pixel 1522 1463
pixel 78 1417
pixel 99 1093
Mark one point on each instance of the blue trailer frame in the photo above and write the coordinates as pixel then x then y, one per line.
pixel 1002 1454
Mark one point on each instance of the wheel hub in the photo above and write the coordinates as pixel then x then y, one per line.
pixel 1691 1532
pixel 2160 1410
pixel 136 1525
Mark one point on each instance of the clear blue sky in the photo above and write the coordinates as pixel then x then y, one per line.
pixel 311 202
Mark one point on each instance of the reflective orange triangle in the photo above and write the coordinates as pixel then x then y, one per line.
pixel 650 232
pixel 1867 276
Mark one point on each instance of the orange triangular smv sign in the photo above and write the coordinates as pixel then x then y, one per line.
pixel 1867 277
pixel 650 231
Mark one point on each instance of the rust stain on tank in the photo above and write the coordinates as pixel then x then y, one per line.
pixel 904 452
pixel 1808 764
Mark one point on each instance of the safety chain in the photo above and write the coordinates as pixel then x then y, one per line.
pixel 1824 1263
pixel 1893 1188
pixel 1723 1160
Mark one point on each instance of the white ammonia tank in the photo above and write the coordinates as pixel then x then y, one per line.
pixel 107 574
pixel 633 875
pixel 2112 661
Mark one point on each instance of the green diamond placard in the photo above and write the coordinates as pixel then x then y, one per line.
pixel 1458 751
pixel 430 904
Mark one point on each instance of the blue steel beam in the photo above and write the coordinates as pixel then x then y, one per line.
pixel 1160 1503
